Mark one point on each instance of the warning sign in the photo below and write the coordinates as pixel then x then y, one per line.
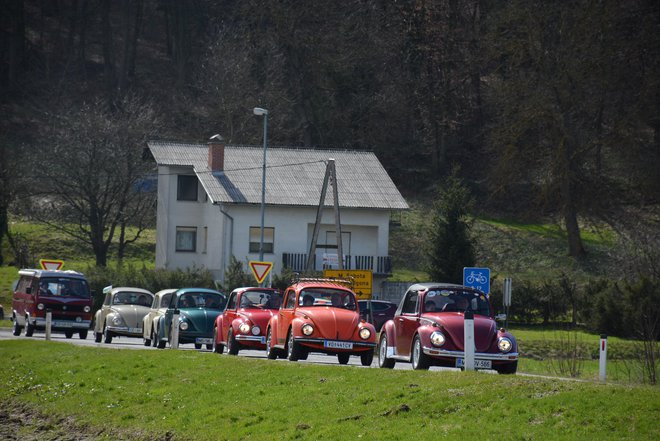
pixel 260 269
pixel 362 280
pixel 51 264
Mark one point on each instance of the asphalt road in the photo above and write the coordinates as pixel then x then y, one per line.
pixel 136 344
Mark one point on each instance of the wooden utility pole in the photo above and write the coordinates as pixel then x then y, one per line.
pixel 330 177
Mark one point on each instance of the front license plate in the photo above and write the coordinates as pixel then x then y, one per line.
pixel 478 364
pixel 135 330
pixel 204 341
pixel 338 344
pixel 62 325
pixel 263 340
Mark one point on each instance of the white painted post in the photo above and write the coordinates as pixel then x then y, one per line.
pixel 49 323
pixel 603 357
pixel 174 338
pixel 468 340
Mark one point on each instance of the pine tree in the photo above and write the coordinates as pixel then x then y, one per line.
pixel 450 244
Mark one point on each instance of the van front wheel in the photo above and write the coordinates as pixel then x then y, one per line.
pixel 17 329
pixel 29 329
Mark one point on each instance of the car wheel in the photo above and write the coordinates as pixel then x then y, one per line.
pixel 343 357
pixel 366 358
pixel 420 361
pixel 232 344
pixel 107 336
pixel 68 334
pixel 198 346
pixel 83 335
pixel 271 353
pixel 17 329
pixel 98 337
pixel 29 329
pixel 383 361
pixel 292 348
pixel 154 339
pixel 217 347
pixel 161 343
pixel 508 369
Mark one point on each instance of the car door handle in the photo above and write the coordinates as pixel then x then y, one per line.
pixel 401 320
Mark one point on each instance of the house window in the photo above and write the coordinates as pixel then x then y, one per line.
pixel 186 189
pixel 255 238
pixel 186 239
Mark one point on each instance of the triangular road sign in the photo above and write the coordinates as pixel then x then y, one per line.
pixel 260 269
pixel 51 264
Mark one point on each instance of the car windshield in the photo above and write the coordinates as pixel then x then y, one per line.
pixel 327 297
pixel 207 300
pixel 64 287
pixel 448 300
pixel 132 298
pixel 261 299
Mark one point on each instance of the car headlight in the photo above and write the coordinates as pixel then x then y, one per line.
pixel 40 306
pixel 437 338
pixel 244 328
pixel 365 333
pixel 87 309
pixel 183 325
pixel 504 344
pixel 117 321
pixel 307 329
pixel 256 330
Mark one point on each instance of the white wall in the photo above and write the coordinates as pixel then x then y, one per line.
pixel 293 229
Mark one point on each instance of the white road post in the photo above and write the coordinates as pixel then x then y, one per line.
pixel 49 323
pixel 174 338
pixel 468 340
pixel 603 357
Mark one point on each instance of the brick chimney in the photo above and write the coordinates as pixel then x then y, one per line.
pixel 216 153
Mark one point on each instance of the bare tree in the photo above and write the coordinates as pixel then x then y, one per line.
pixel 91 184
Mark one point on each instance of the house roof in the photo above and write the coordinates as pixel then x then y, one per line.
pixel 294 176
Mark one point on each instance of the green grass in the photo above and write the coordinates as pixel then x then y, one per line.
pixel 203 396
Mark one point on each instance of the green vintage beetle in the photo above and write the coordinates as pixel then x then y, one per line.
pixel 197 309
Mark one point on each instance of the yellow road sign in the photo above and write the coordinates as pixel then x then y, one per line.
pixel 362 280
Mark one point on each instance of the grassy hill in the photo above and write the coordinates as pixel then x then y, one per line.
pixel 511 249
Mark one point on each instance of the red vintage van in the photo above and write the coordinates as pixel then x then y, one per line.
pixel 65 293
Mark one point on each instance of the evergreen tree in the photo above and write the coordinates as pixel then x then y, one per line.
pixel 450 245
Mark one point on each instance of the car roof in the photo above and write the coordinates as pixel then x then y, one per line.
pixel 320 282
pixel 50 273
pixel 205 290
pixel 129 288
pixel 253 288
pixel 427 285
pixel 162 292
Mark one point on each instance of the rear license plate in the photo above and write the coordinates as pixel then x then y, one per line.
pixel 57 324
pixel 338 344
pixel 478 364
pixel 135 330
pixel 204 341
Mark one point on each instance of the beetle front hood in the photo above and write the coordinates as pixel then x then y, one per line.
pixel 201 319
pixel 259 317
pixel 452 323
pixel 132 314
pixel 332 323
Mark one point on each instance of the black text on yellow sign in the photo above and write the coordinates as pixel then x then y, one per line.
pixel 362 280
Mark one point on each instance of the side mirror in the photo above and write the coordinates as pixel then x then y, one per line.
pixel 500 317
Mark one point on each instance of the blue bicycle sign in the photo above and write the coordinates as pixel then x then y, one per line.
pixel 478 278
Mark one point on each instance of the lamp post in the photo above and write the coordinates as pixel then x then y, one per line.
pixel 263 112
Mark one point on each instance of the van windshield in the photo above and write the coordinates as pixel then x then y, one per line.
pixel 63 287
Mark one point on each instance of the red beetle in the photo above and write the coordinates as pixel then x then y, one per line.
pixel 428 330
pixel 243 323
pixel 320 315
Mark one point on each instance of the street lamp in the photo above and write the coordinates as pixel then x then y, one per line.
pixel 262 112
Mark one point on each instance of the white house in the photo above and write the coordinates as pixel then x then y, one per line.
pixel 209 207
